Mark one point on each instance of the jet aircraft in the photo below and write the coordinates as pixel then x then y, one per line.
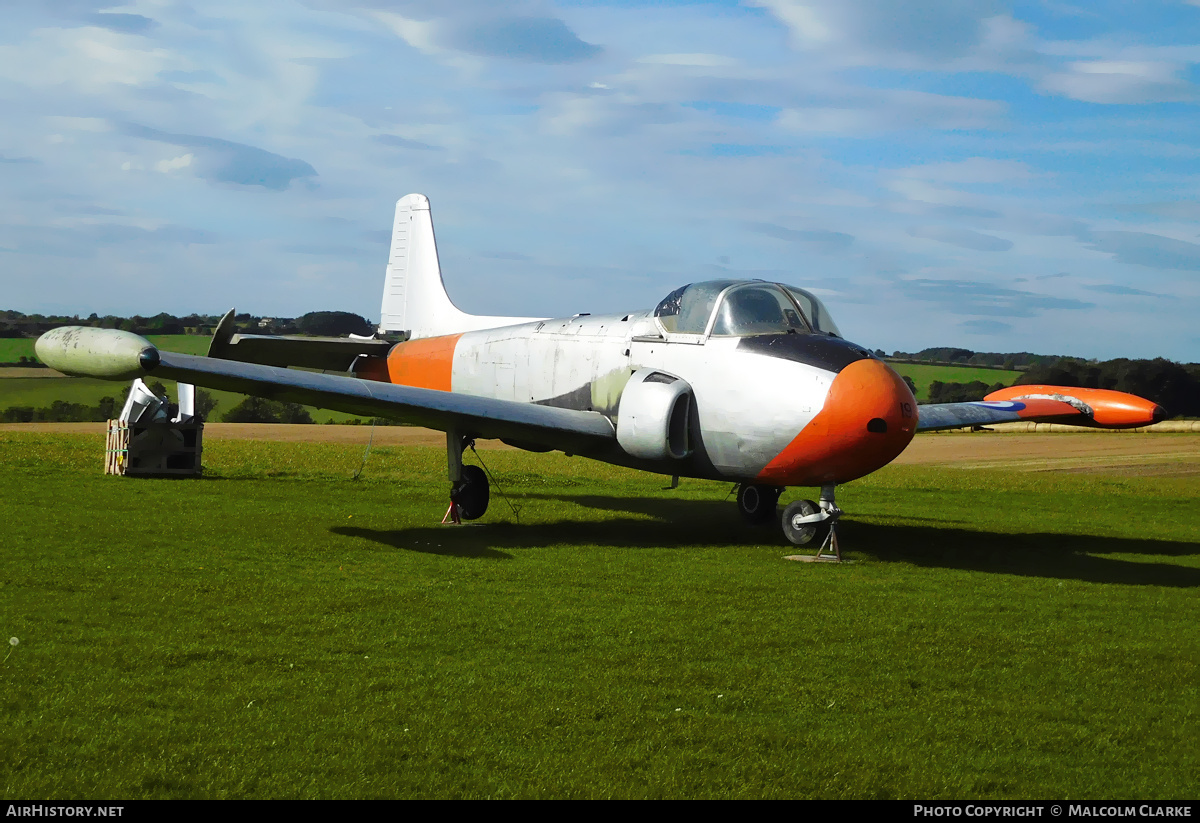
pixel 734 380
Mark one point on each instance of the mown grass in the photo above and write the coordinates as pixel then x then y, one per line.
pixel 922 375
pixel 277 629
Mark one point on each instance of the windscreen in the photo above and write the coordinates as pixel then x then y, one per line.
pixel 757 308
pixel 818 316
pixel 687 309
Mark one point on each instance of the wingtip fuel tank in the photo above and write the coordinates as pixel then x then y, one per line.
pixel 109 354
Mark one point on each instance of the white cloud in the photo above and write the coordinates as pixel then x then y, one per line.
pixel 887 32
pixel 174 164
pixel 87 59
pixel 1120 81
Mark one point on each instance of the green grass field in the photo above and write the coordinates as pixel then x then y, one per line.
pixel 277 629
pixel 922 375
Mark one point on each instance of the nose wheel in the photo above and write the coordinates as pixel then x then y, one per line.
pixel 806 522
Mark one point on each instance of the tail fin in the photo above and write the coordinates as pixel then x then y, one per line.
pixel 414 294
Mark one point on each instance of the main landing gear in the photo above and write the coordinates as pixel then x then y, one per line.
pixel 469 490
pixel 804 522
pixel 757 504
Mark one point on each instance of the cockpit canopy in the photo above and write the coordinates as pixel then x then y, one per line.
pixel 741 308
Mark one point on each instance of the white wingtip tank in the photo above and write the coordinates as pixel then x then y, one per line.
pixel 414 294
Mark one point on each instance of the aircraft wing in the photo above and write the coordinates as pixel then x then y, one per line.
pixel 116 355
pixel 1097 408
pixel 982 413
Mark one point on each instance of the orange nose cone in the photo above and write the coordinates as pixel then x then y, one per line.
pixel 869 417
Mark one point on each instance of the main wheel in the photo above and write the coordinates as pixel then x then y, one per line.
pixel 801 534
pixel 472 493
pixel 757 503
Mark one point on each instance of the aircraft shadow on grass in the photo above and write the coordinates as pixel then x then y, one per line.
pixel 919 540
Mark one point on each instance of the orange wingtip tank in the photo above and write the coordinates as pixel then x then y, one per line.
pixel 1099 407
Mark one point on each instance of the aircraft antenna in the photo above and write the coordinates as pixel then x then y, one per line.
pixel 367 452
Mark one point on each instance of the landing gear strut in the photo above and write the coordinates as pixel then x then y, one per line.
pixel 469 491
pixel 757 503
pixel 806 522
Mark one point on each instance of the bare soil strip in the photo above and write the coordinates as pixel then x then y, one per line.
pixel 21 371
pixel 318 433
pixel 1137 455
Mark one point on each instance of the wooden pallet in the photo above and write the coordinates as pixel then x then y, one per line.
pixel 134 449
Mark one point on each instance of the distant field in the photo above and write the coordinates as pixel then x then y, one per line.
pixel 13 349
pixel 277 629
pixel 923 375
pixel 41 392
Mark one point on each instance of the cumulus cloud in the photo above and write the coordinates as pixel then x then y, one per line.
pixel 877 31
pixel 224 161
pixel 1120 81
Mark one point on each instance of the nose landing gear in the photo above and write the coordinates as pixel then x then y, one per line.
pixel 806 522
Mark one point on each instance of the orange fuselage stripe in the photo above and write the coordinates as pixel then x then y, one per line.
pixel 424 364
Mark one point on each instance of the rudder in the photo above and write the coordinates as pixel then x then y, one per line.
pixel 414 294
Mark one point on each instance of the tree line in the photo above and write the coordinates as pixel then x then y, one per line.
pixel 1013 361
pixel 1174 386
pixel 318 323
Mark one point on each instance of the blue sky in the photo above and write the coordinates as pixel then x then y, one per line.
pixel 1002 176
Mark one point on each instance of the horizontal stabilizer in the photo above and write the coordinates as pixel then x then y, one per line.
pixel 324 353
